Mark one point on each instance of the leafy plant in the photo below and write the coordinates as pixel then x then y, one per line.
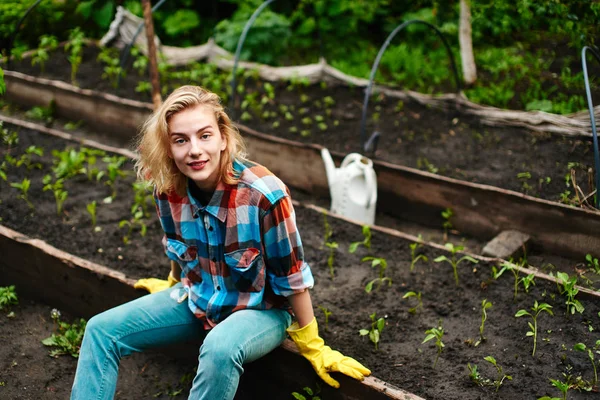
pixel 582 347
pixel 8 297
pixel 537 309
pixel 114 171
pixel 68 163
pixel 447 224
pixel 508 266
pixel 413 256
pixel 569 289
pixel 436 333
pixel 60 195
pixel 328 231
pixel 414 309
pixel 24 186
pixel 109 56
pixel 475 376
pixel 527 282
pixel 453 261
pixel 374 333
pixel 67 337
pixel 40 55
pixel 366 231
pixel 501 375
pixel 382 264
pixel 560 385
pixel 485 305
pixel 592 262
pixel 75 49
pixel 44 114
pixel 327 314
pixel 136 221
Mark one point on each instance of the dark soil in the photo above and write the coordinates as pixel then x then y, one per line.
pixel 446 142
pixel 401 359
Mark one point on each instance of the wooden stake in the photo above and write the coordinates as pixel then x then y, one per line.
pixel 149 25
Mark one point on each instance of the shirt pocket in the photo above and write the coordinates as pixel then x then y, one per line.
pixel 247 269
pixel 185 255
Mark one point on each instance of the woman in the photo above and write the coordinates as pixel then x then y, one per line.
pixel 237 271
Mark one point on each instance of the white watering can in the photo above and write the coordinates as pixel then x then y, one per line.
pixel 353 187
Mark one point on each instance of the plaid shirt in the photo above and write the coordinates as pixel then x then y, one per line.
pixel 241 250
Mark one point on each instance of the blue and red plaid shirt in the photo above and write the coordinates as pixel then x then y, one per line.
pixel 241 250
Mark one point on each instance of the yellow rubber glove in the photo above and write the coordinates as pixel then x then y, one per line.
pixel 154 285
pixel 323 358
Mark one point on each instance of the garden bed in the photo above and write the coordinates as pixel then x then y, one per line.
pixel 401 359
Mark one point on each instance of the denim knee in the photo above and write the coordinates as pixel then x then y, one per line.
pixel 218 353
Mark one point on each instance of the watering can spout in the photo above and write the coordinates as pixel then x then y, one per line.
pixel 330 169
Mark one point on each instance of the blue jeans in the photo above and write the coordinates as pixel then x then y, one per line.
pixel 157 320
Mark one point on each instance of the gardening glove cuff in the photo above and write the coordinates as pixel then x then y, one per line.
pixel 323 358
pixel 154 285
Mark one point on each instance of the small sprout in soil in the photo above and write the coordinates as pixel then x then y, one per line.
pixel 537 309
pixel 75 49
pixel 44 114
pixel 382 264
pixel 375 331
pixel 527 282
pixel 40 55
pixel 308 394
pixel 475 376
pixel 413 310
pixel 275 124
pixel 68 163
pixel 135 221
pixel 288 116
pixel 322 126
pixel 327 313
pixel 305 132
pixel 91 209
pixel 592 263
pixel 140 63
pixel 332 246
pixel 307 121
pixel 436 333
pixel 24 186
pixel 569 290
pixel 328 101
pixel 590 351
pixel 293 129
pixel 328 231
pixel 399 106
pixel 142 197
pixel 9 138
pixel 447 224
pixel 246 116
pixel 485 305
pixel 114 171
pixel 524 178
pixel 60 195
pixel 501 375
pixel 414 258
pixel 423 163
pixel 8 297
pixel 367 235
pixel 67 337
pixel 560 385
pixel 507 265
pixel 453 261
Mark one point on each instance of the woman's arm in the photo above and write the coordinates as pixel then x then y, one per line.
pixel 302 307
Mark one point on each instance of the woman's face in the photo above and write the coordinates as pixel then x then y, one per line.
pixel 196 145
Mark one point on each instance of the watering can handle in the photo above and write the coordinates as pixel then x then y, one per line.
pixel 350 158
pixel 371 180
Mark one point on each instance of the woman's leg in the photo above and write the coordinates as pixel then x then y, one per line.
pixel 150 321
pixel 244 336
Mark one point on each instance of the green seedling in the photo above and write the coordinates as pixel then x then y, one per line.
pixel 508 266
pixel 308 394
pixel 414 309
pixel 114 171
pixel 8 138
pixel 436 333
pixel 560 385
pixel 453 261
pixel 475 376
pixel 68 163
pixel 328 231
pixel 8 297
pixel 91 209
pixel 112 69
pixel 366 231
pixel 75 49
pixel 67 337
pixel 527 282
pixel 40 55
pixel 44 114
pixel 135 222
pixel 327 313
pixel 332 246
pixel 582 347
pixel 592 263
pixel 537 309
pixel 26 159
pixel 414 258
pixel 524 178
pixel 447 224
pixel 24 186
pixel 569 289
pixel 485 305
pixel 142 196
pixel 91 158
pixel 375 331
pixel 382 264
pixel 140 63
pixel 501 375
pixel 60 195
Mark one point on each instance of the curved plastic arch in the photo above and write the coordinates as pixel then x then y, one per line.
pixel 363 122
pixel 14 35
pixel 588 93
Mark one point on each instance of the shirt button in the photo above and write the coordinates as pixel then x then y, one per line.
pixel 214 259
pixel 210 228
pixel 218 287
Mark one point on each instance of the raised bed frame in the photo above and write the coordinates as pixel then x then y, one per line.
pixel 480 210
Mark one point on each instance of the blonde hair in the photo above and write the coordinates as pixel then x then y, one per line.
pixel 154 164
